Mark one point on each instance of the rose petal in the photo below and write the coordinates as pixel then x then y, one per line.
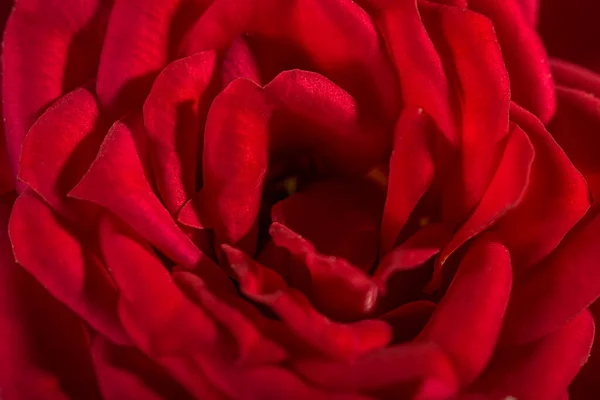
pixel 467 322
pixel 413 253
pixel 72 128
pixel 173 116
pixel 504 193
pixel 239 62
pixel 542 369
pixel 468 40
pixel 530 9
pixel 422 76
pixel 253 347
pixel 524 54
pixel 575 77
pixel 337 288
pixel 585 384
pixel 576 128
pixel 408 320
pixel 138 44
pixel 411 172
pixel 124 372
pixel 557 289
pixel 320 115
pixel 116 181
pixel 391 372
pixel 339 218
pixel 64 266
pixel 43 345
pixel 235 162
pixel 556 198
pixel 160 320
pixel 345 341
pixel 49 48
pixel 338 36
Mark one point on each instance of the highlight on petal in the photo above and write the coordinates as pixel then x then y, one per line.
pixel 414 370
pixel 542 369
pixel 556 198
pixel 49 48
pixel 560 287
pixel 468 41
pixel 526 60
pixel 173 117
pixel 72 128
pixel 467 321
pixel 411 172
pixel 64 265
pixel 43 344
pixel 576 128
pixel 116 181
pixel 337 340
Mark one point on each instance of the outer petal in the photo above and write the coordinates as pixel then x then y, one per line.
pixel 557 289
pixel 173 116
pixel 64 266
pixel 125 373
pixel 585 385
pixel 467 322
pixel 524 54
pixel 411 173
pixel 138 45
pixel 576 128
pixel 43 348
pixel 160 320
pixel 417 371
pixel 543 369
pixel 556 198
pixel 117 182
pixel 469 42
pixel 72 128
pixel 575 77
pixel 49 48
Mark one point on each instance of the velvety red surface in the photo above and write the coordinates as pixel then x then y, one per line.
pixel 299 199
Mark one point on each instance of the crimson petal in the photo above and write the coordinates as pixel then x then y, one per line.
pixel 543 369
pixel 71 127
pixel 117 182
pixel 556 198
pixel 172 116
pixel 467 322
pixel 575 77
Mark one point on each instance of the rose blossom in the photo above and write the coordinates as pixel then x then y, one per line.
pixel 297 199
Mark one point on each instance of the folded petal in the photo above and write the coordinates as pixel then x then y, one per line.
pixel 344 341
pixel 58 259
pixel 543 369
pixel 73 129
pixel 239 62
pixel 468 41
pixel 116 181
pixel 411 172
pixel 43 344
pixel 504 193
pixel 337 288
pixel 49 48
pixel 173 116
pixel 526 60
pixel 556 198
pixel 576 128
pixel 467 322
pixel 574 76
pixel 560 287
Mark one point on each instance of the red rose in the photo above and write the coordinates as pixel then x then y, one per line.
pixel 296 199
